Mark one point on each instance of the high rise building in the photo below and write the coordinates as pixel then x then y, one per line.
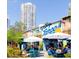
pixel 8 23
pixel 28 16
pixel 69 10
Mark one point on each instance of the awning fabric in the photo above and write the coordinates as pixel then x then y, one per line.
pixel 32 39
pixel 57 36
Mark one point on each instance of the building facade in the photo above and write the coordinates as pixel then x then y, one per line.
pixel 28 16
pixel 66 23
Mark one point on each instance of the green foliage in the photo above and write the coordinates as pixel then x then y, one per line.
pixel 11 34
pixel 41 45
pixel 67 55
pixel 14 33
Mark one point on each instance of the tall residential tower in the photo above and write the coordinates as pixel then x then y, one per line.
pixel 28 16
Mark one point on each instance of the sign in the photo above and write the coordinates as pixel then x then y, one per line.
pixel 50 29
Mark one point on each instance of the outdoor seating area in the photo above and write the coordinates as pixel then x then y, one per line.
pixel 57 46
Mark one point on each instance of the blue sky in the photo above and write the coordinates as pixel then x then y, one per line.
pixel 46 10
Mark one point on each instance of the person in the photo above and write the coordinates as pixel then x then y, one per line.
pixel 65 50
pixel 51 51
pixel 69 45
pixel 31 51
pixel 69 48
pixel 36 47
pixel 60 44
pixel 24 53
pixel 36 50
pixel 59 53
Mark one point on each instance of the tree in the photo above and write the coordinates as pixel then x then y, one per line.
pixel 14 33
pixel 20 26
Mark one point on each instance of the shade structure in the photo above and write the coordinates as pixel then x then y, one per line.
pixel 69 38
pixel 57 36
pixel 32 39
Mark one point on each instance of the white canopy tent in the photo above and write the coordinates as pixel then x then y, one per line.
pixel 32 39
pixel 57 36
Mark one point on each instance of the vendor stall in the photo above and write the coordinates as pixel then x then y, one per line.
pixel 57 41
pixel 31 45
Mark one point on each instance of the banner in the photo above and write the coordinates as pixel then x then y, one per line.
pixel 50 29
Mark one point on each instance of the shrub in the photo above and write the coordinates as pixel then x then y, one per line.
pixel 67 55
pixel 13 52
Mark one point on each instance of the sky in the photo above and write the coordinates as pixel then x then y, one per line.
pixel 46 10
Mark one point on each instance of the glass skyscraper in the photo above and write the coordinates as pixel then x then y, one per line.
pixel 28 16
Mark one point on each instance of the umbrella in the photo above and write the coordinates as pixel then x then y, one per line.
pixel 32 39
pixel 57 36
